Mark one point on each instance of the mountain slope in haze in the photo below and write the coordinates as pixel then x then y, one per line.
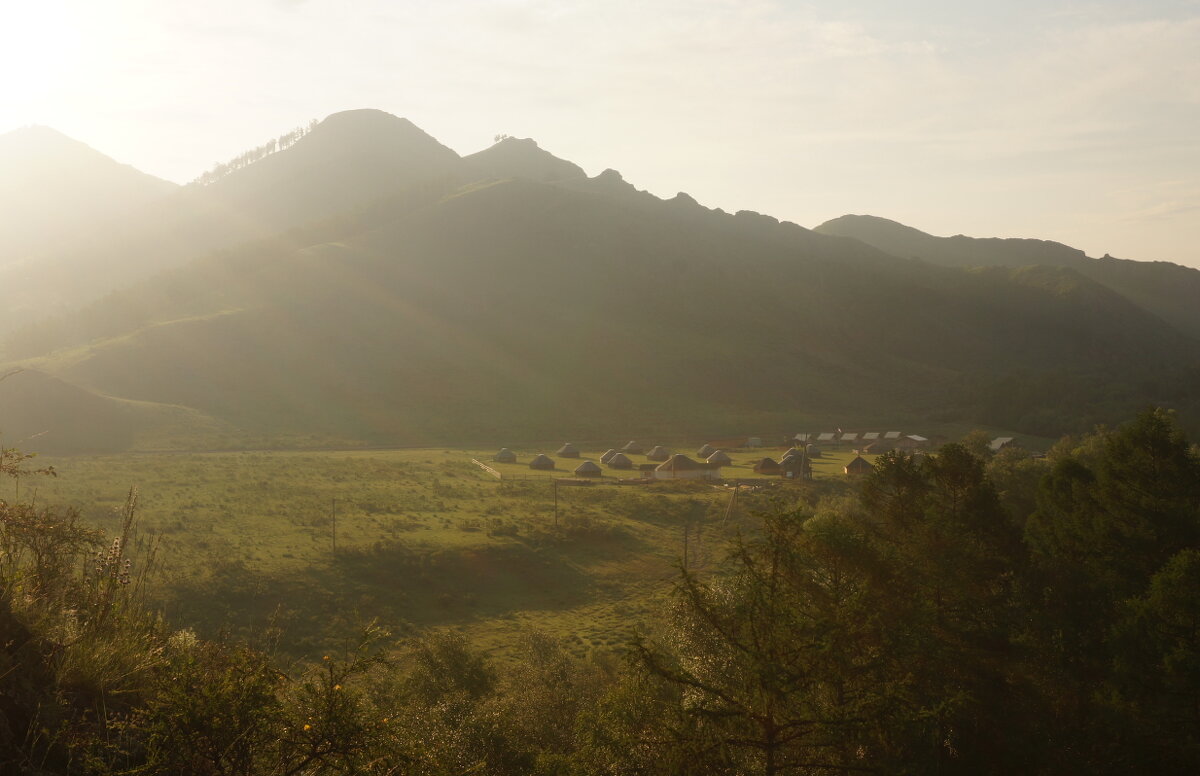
pixel 45 413
pixel 53 188
pixel 347 161
pixel 537 310
pixel 508 296
pixel 1167 290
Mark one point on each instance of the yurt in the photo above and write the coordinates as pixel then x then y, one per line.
pixel 658 453
pixel 568 451
pixel 633 448
pixel 858 466
pixel 609 453
pixel 680 467
pixel 767 466
pixel 505 456
pixel 719 458
pixel 588 469
pixel 542 461
pixel 754 442
pixel 620 461
pixel 813 451
pixel 705 451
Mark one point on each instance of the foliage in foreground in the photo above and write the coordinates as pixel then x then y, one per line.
pixel 965 613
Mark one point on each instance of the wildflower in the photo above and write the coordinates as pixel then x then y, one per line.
pixel 337 687
pixel 308 727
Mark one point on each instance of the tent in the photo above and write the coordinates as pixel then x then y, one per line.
pixel 719 458
pixel 588 469
pixel 620 461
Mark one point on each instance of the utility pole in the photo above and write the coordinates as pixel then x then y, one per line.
pixel 333 521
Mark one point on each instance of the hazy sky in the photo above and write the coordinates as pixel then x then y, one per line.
pixel 1071 121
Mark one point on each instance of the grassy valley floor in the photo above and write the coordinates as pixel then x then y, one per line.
pixel 424 539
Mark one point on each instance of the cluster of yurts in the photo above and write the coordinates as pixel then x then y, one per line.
pixel 794 462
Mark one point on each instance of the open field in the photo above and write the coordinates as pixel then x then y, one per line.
pixel 424 538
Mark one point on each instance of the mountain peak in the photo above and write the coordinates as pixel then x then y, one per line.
pixel 517 157
pixel 352 130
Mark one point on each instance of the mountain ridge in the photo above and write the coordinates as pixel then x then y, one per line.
pixel 368 283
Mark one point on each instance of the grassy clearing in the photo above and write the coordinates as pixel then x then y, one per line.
pixel 424 539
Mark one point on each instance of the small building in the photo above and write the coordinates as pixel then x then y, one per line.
pixel 870 436
pixel 767 466
pixel 588 469
pixel 608 454
pixel 620 461
pixel 568 451
pixel 791 452
pixel 754 442
pixel 858 467
pixel 633 448
pixel 505 456
pixel 804 437
pixel 719 458
pixel 826 437
pixel 680 467
pixel 813 451
pixel 542 461
pixel 849 436
pixel 705 451
pixel 658 453
pixel 893 435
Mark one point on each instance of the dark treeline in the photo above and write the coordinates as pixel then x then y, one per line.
pixel 964 613
pixel 247 158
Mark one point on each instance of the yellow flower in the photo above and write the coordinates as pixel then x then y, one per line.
pixel 325 658
pixel 308 727
pixel 337 687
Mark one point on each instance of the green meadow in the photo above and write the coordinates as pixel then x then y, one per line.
pixel 315 544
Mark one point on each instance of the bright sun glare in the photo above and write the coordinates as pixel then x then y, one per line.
pixel 40 56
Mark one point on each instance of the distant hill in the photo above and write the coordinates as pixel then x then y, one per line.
pixel 1170 291
pixel 423 298
pixel 53 191
pixel 52 186
pixel 348 160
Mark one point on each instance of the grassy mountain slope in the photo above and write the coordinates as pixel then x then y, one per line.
pixel 347 161
pixel 41 412
pixel 1169 291
pixel 518 308
pixel 52 186
pixel 432 299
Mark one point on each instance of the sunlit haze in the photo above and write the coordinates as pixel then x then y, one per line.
pixel 1071 121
